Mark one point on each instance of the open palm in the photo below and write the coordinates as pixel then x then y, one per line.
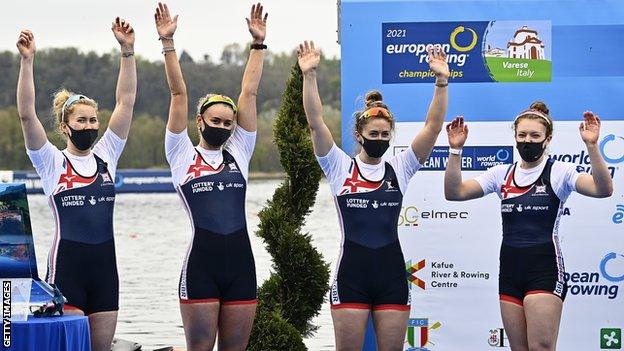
pixel 457 132
pixel 437 62
pixel 590 128
pixel 256 23
pixel 308 56
pixel 165 25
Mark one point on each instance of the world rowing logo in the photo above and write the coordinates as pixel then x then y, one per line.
pixel 607 143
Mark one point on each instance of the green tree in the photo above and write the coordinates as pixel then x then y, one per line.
pixel 295 291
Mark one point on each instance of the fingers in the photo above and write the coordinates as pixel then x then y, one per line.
pixel 435 52
pixel 256 13
pixel 163 12
pixel 158 15
pixel 25 38
pixel 457 124
pixel 166 13
pixel 305 48
pixel 121 25
pixel 448 127
pixel 300 50
pixel 589 118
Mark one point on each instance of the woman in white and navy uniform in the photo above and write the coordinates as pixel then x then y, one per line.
pixel 79 182
pixel 532 192
pixel 368 191
pixel 217 288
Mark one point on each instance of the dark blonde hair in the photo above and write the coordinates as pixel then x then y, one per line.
pixel 537 111
pixel 203 99
pixel 373 99
pixel 60 97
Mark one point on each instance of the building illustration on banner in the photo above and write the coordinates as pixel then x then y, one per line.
pixel 518 51
pixel 526 44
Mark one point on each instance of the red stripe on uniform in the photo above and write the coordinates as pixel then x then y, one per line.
pixel 394 307
pixel 355 306
pixel 511 299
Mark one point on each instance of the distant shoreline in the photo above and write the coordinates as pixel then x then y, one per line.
pixel 266 175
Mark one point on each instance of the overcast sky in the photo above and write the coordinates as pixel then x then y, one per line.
pixel 204 27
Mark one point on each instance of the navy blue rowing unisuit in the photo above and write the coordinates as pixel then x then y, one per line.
pixel 530 256
pixel 219 264
pixel 82 261
pixel 371 267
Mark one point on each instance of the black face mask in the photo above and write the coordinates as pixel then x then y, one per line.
pixel 530 152
pixel 375 148
pixel 215 136
pixel 83 139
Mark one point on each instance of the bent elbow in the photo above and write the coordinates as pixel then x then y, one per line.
pixel 451 197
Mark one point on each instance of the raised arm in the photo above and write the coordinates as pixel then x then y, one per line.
pixel 599 183
pixel 125 95
pixel 426 138
pixel 178 107
pixel 454 188
pixel 309 59
pixel 34 133
pixel 247 114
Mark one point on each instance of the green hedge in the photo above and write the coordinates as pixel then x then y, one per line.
pixel 295 292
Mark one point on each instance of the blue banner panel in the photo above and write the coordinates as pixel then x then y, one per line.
pixel 579 68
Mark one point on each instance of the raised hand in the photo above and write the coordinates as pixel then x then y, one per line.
pixel 457 132
pixel 437 62
pixel 256 23
pixel 590 128
pixel 123 31
pixel 308 56
pixel 165 25
pixel 26 44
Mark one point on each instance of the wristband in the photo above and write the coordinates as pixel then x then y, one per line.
pixel 167 49
pixel 165 38
pixel 258 47
pixel 441 85
pixel 127 54
pixel 457 152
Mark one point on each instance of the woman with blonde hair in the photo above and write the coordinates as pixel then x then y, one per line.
pixel 217 288
pixel 79 182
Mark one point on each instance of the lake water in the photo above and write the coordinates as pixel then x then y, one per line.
pixel 152 232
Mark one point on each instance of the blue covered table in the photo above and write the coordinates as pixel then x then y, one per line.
pixel 52 333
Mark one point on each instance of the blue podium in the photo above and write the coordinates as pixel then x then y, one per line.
pixel 51 334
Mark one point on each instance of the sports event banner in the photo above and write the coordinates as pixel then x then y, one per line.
pixel 502 57
pixel 494 51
